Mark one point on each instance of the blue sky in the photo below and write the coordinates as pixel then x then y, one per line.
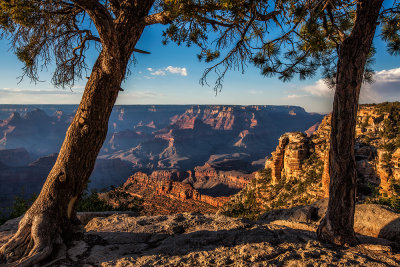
pixel 171 74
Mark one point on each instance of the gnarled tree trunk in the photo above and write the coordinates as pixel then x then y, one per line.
pixel 51 214
pixel 338 224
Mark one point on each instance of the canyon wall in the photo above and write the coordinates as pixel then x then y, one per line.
pixel 298 170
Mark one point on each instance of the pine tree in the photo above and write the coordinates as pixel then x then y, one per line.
pixel 287 38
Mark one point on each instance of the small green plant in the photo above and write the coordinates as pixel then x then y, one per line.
pixel 265 175
pixel 92 203
pixel 19 207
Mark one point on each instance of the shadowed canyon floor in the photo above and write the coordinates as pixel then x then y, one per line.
pixel 193 239
pixel 147 138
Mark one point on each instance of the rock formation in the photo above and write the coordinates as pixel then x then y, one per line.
pixel 298 170
pixel 288 158
pixel 204 189
pixel 161 194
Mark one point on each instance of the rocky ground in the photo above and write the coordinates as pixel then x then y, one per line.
pixel 281 238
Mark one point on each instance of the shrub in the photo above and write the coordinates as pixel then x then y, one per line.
pixel 265 175
pixel 19 207
pixel 92 202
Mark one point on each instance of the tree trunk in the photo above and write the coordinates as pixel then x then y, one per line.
pixel 50 214
pixel 338 224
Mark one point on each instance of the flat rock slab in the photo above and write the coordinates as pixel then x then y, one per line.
pixel 369 219
pixel 213 240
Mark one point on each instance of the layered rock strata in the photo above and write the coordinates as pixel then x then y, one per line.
pixel 298 170
pixel 161 194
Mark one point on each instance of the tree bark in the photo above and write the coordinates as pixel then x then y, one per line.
pixel 51 215
pixel 337 226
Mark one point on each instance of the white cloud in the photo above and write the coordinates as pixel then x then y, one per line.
pixel 158 73
pixel 40 96
pixel 294 96
pixel 385 88
pixel 129 97
pixel 169 69
pixel 20 91
pixel 176 70
pixel 319 88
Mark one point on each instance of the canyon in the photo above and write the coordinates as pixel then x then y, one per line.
pixel 218 147
pixel 166 192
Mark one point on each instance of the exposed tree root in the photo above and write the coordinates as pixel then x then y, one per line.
pixel 33 242
pixel 326 233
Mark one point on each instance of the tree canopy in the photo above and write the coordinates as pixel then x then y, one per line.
pixel 284 38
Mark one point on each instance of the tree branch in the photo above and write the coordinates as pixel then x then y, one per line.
pixel 141 51
pixel 101 18
pixel 158 18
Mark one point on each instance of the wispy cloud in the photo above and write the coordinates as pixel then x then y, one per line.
pixel 168 70
pixel 20 91
pixel 294 96
pixel 177 70
pixel 158 73
pixel 319 88
pixel 129 97
pixel 386 87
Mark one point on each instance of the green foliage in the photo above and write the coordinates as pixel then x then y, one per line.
pixel 284 38
pixel 387 157
pixel 244 209
pixel 261 195
pixel 88 203
pixel 19 207
pixel 393 201
pixel 391 33
pixel 265 176
pixel 92 203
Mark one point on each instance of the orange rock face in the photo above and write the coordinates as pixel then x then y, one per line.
pixel 375 165
pixel 162 195
pixel 396 164
pixel 173 191
pixel 287 160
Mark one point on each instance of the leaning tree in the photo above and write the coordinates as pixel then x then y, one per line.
pixel 298 39
pixel 61 32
